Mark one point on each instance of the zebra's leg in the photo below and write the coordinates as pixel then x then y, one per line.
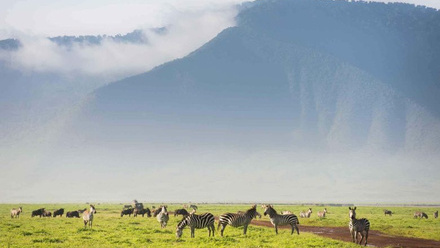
pixel 352 236
pixel 192 232
pixel 362 237
pixel 297 229
pixel 223 228
pixel 85 224
pixel 276 229
pixel 213 230
pixel 245 229
pixel 366 237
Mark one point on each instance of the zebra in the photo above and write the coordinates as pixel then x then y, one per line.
pixel 286 212
pixel 196 221
pixel 321 214
pixel 163 217
pixel 436 214
pixel 256 214
pixel 305 214
pixel 88 216
pixel 15 213
pixel 281 220
pixel 358 226
pixel 389 212
pixel 420 215
pixel 237 219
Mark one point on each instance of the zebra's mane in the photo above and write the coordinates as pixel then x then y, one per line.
pixel 252 209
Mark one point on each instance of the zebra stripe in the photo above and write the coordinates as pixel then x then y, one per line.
pixel 196 221
pixel 163 217
pixel 358 226
pixel 281 220
pixel 237 219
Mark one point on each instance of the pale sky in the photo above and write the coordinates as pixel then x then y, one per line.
pixel 82 17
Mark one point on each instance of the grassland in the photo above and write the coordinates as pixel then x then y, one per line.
pixel 110 230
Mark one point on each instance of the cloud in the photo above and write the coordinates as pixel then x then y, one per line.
pixel 187 29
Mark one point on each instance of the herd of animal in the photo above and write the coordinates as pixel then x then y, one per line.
pixel 357 227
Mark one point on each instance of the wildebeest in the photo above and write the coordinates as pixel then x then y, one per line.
pixel 88 216
pixel 128 211
pixel 38 212
pixel 182 212
pixel 59 212
pixel 389 212
pixel 47 214
pixel 142 212
pixel 72 214
pixel 420 215
pixel 436 214
pixel 82 210
pixel 15 213
pixel 193 207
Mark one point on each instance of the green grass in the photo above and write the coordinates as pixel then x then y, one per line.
pixel 110 230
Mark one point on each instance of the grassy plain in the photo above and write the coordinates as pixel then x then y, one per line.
pixel 110 230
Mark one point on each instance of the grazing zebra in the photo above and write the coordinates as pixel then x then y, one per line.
pixel 305 214
pixel 163 216
pixel 358 226
pixel 436 214
pixel 196 221
pixel 389 212
pixel 15 213
pixel 321 214
pixel 237 219
pixel 88 216
pixel 420 215
pixel 281 220
pixel 182 212
pixel 286 212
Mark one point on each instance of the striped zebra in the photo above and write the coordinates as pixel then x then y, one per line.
pixel 237 219
pixel 420 215
pixel 281 220
pixel 321 214
pixel 305 214
pixel 88 216
pixel 436 214
pixel 163 216
pixel 358 226
pixel 196 221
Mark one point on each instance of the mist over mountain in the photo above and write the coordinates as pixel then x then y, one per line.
pixel 305 100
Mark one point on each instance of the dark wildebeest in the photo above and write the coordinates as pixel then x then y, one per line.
pixel 420 215
pixel 82 210
pixel 59 212
pixel 128 212
pixel 389 212
pixel 182 212
pixel 436 214
pixel 72 214
pixel 38 212
pixel 47 214
pixel 15 213
pixel 142 212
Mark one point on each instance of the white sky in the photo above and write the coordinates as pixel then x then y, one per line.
pixel 82 17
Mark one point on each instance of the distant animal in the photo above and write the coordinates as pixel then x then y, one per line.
pixel 281 220
pixel 15 213
pixel 321 214
pixel 193 207
pixel 59 212
pixel 157 211
pixel 163 216
pixel 38 212
pixel 88 216
pixel 47 213
pixel 420 215
pixel 237 219
pixel 436 214
pixel 195 221
pixel 306 214
pixel 128 212
pixel 185 206
pixel 72 214
pixel 356 226
pixel 389 212
pixel 286 212
pixel 82 210
pixel 142 212
pixel 181 211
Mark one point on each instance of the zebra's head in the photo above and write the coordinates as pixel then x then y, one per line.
pixel 92 209
pixel 352 212
pixel 179 232
pixel 268 210
pixel 180 226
